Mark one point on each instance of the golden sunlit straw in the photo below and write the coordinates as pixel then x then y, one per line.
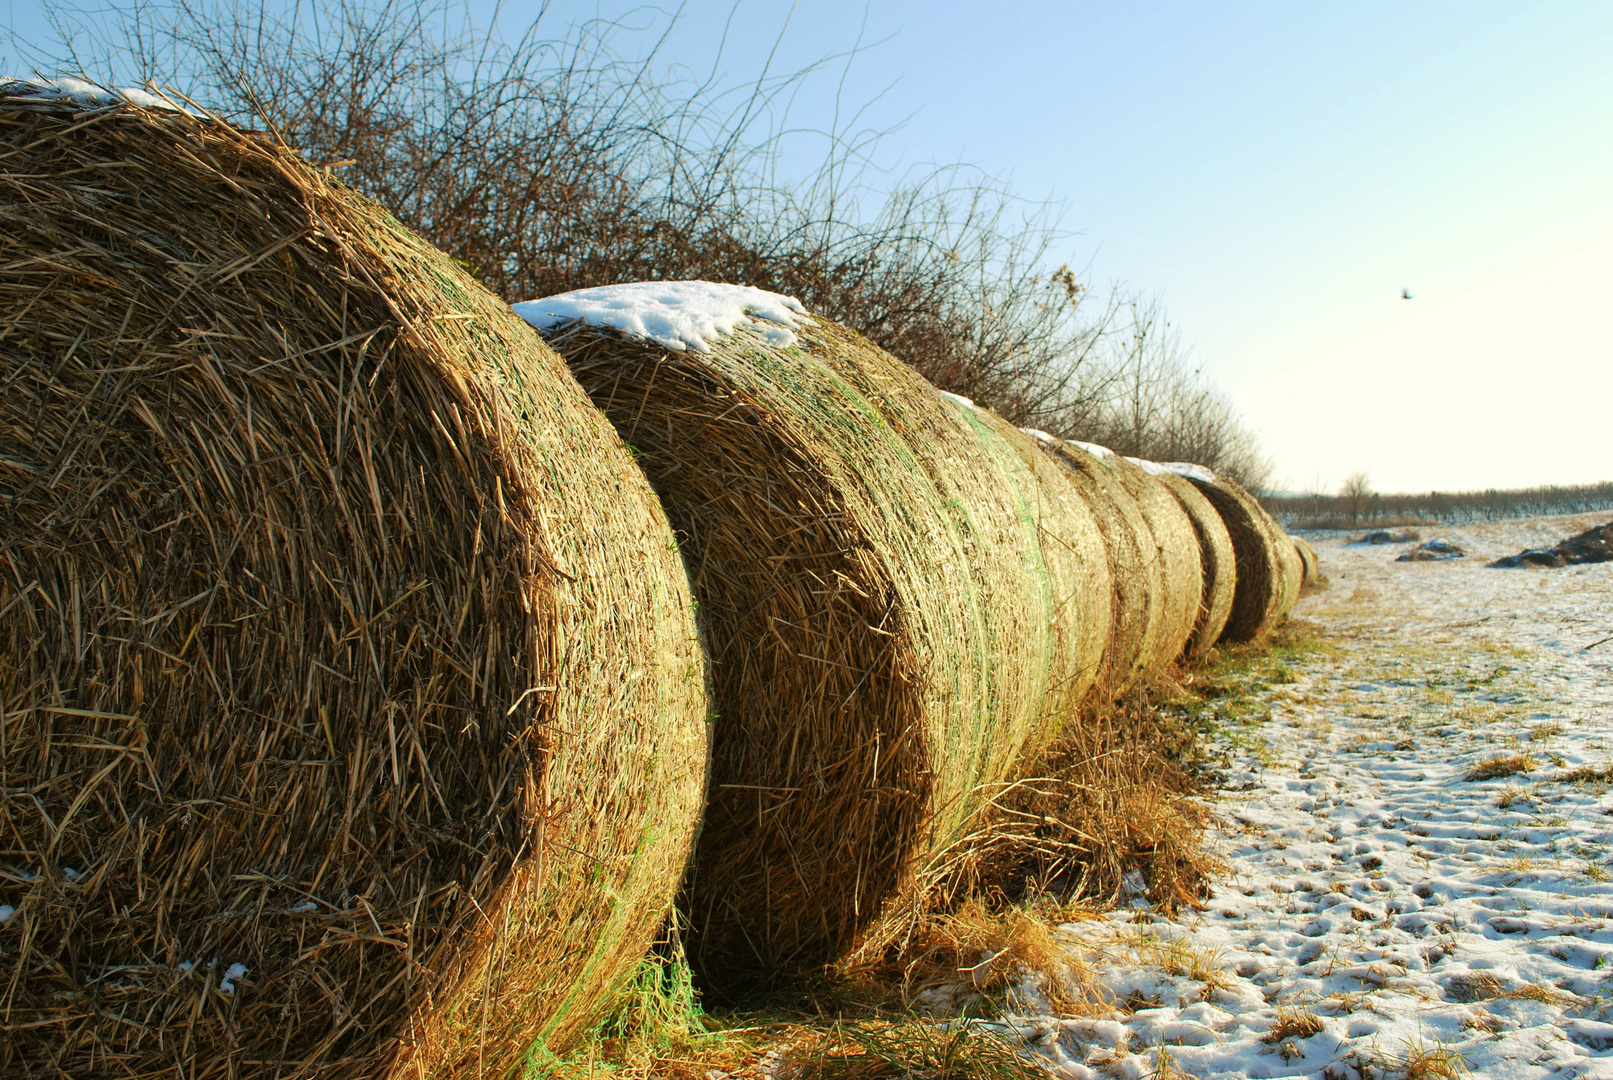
pixel 901 597
pixel 353 716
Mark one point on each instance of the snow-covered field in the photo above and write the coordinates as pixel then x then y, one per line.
pixel 1384 915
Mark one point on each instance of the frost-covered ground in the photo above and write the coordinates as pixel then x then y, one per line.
pixel 1403 915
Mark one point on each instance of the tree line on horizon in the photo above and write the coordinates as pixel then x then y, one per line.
pixel 548 161
pixel 1357 506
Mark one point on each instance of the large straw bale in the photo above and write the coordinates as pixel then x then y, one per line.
pixel 1173 544
pixel 901 605
pixel 1268 567
pixel 1308 561
pixel 1217 560
pixel 1137 627
pixel 353 719
pixel 1290 564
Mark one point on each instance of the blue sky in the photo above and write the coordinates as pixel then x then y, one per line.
pixel 1276 174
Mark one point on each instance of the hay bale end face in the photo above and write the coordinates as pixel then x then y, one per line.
pixel 353 711
pixel 1268 568
pixel 890 634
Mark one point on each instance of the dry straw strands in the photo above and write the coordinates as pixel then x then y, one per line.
pixel 1217 561
pixel 1268 567
pixel 1292 566
pixel 890 628
pixel 352 713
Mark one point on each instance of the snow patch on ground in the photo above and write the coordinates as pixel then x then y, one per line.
pixel 1402 908
pixel 678 315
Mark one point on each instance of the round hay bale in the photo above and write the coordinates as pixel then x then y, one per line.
pixel 1291 566
pixel 899 606
pixel 1268 569
pixel 1137 615
pixel 353 719
pixel 1217 560
pixel 1176 546
pixel 1307 557
pixel 1173 544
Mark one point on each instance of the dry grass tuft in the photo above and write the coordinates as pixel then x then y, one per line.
pixel 1113 799
pixel 1546 995
pixel 1166 1067
pixel 1494 768
pixel 1586 774
pixel 911 1049
pixel 994 953
pixel 1438 1063
pixel 1293 1024
pixel 1510 796
pixel 1474 986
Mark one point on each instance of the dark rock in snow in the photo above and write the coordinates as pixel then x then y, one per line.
pixel 1592 545
pixel 1433 551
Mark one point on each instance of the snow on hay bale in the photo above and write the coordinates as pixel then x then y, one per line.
pixel 353 712
pixel 1268 567
pixel 1217 560
pixel 900 609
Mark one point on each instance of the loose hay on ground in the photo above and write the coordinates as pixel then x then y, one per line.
pixel 899 608
pixel 352 712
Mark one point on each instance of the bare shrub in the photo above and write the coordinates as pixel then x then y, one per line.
pixel 1154 405
pixel 554 160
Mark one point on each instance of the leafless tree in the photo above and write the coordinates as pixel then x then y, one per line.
pixel 1155 405
pixel 1354 493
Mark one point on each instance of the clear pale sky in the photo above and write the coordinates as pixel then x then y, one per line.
pixel 1277 174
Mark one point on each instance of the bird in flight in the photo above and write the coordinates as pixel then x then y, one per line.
pixel 1405 294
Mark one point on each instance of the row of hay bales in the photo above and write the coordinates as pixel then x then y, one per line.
pixel 374 676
